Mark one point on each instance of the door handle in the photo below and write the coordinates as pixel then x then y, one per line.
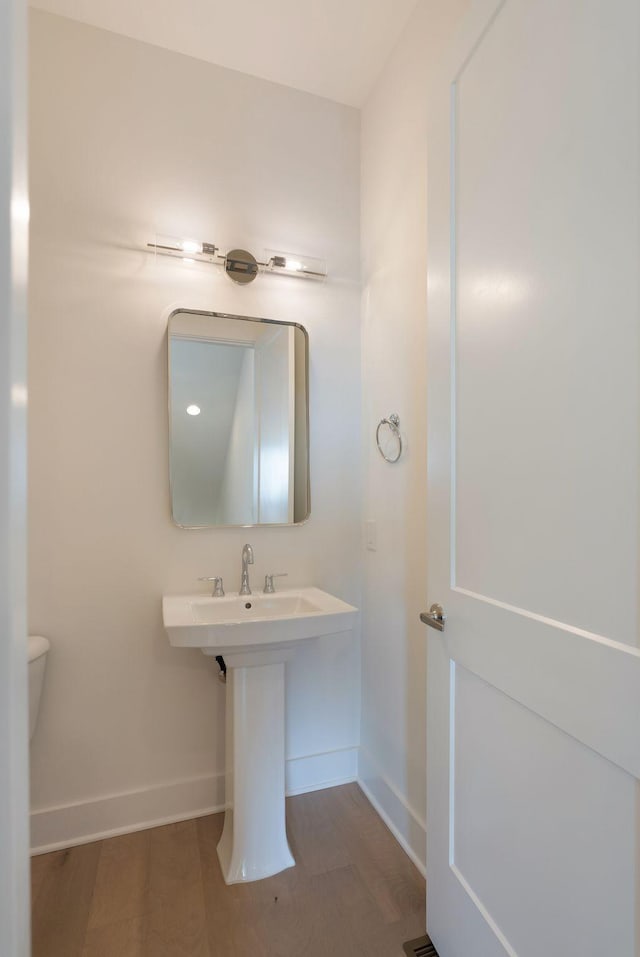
pixel 435 617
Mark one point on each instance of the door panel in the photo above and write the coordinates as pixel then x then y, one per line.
pixel 545 286
pixel 534 686
pixel 521 770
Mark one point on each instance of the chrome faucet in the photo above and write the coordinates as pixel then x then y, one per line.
pixel 218 587
pixel 247 559
pixel 268 582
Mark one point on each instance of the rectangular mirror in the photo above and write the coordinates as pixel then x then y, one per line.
pixel 238 419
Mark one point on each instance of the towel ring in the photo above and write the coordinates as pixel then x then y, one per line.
pixel 394 424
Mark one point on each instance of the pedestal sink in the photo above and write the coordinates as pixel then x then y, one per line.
pixel 256 634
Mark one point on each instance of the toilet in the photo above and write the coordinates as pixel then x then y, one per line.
pixel 38 648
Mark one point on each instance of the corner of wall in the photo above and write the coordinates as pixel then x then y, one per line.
pixel 403 821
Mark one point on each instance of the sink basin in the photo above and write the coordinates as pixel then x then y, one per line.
pixel 246 622
pixel 257 634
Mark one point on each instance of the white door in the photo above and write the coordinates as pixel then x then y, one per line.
pixel 534 685
pixel 275 371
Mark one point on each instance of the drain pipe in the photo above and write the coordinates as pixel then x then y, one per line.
pixel 222 676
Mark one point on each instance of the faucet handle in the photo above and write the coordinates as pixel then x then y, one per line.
pixel 218 589
pixel 268 581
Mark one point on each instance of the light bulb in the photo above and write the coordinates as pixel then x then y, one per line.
pixel 295 264
pixel 191 246
pixel 193 410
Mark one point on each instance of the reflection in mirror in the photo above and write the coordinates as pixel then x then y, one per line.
pixel 238 399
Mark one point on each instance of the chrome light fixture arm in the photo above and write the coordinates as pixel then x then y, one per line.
pixel 239 264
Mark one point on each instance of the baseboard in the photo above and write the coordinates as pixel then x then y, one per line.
pixel 86 821
pixel 316 771
pixel 405 824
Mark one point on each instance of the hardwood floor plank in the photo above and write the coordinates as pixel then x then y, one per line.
pixel 160 893
pixel 61 910
pixel 314 835
pixel 356 911
pixel 305 922
pixel 394 935
pixel 348 921
pixel 231 910
pixel 391 877
pixel 125 938
pixel 121 891
pixel 284 915
pixel 40 864
pixel 176 923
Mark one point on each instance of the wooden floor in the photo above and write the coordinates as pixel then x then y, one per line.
pixel 159 893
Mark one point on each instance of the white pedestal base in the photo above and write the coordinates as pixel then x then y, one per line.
pixel 254 840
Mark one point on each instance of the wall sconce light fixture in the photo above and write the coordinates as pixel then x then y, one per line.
pixel 240 265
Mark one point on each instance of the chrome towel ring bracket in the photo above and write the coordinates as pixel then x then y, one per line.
pixel 393 422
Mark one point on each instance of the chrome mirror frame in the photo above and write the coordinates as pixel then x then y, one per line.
pixel 273 322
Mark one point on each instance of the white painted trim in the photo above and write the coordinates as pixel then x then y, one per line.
pixel 83 822
pixel 127 829
pixel 86 821
pixel 406 825
pixel 314 772
pixel 14 716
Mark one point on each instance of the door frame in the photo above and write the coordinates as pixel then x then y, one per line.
pixel 14 736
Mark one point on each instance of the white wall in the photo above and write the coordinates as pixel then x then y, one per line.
pixel 126 138
pixel 239 482
pixel 394 257
pixel 14 860
pixel 208 375
pixel 275 357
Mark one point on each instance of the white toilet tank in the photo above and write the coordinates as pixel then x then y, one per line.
pixel 38 648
